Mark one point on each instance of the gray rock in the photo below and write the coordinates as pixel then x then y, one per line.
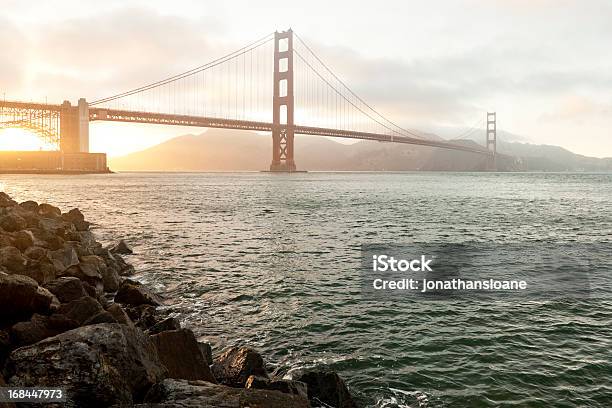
pixel 327 387
pixel 122 248
pixel 236 365
pixel 278 384
pixel 109 276
pixel 134 293
pixel 66 288
pixel 63 258
pixel 12 259
pixel 206 351
pixel 169 323
pixel 179 352
pixel 29 205
pixel 20 297
pixel 99 365
pixel 119 314
pixel 39 328
pixel 48 211
pixel 23 239
pixel 102 317
pixel 188 394
pixel 81 310
pixel 35 253
pixel 12 223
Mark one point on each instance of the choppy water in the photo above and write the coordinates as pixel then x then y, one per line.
pixel 271 261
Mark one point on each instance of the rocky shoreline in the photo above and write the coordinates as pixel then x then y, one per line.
pixel 71 317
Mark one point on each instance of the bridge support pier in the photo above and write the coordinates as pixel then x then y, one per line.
pixel 283 104
pixel 74 127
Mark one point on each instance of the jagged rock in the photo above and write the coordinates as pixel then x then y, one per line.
pixel 47 239
pixel 6 201
pixel 81 310
pixel 327 387
pixel 38 328
pixel 206 351
pixel 66 288
pixel 277 384
pixel 236 365
pixel 11 258
pixel 196 394
pixel 99 365
pixel 169 323
pixel 41 271
pixel 12 223
pixel 97 265
pixel 35 252
pixel 76 217
pixel 102 317
pixel 88 240
pixel 48 211
pixel 119 314
pixel 134 293
pixel 179 352
pixel 20 297
pixel 63 258
pixel 121 247
pixel 56 226
pixel 6 239
pixel 89 274
pixel 144 316
pixel 23 240
pixel 29 205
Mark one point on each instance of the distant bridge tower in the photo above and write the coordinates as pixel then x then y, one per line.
pixel 492 139
pixel 282 116
pixel 74 127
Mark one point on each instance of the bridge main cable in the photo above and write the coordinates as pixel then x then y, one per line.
pixel 254 45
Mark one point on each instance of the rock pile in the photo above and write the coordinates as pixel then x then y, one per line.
pixel 70 317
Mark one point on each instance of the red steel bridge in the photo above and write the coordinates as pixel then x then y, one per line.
pixel 234 92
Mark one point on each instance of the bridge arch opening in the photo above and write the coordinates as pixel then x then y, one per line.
pixel 16 138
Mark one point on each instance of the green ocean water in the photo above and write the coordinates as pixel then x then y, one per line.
pixel 273 261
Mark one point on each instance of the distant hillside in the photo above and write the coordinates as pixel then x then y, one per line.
pixel 227 150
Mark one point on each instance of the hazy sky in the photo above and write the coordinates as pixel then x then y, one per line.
pixel 544 65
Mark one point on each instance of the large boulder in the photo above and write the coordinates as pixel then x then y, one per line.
pixel 48 211
pixel 12 259
pixel 179 352
pixel 39 327
pixel 110 277
pixel 63 258
pixel 23 239
pixel 12 223
pixel 196 394
pixel 81 310
pixel 20 297
pixel 134 293
pixel 66 289
pixel 277 384
pixel 29 205
pixel 76 217
pixel 88 274
pixel 99 365
pixel 206 351
pixel 236 365
pixel 119 314
pixel 144 316
pixel 167 324
pixel 327 387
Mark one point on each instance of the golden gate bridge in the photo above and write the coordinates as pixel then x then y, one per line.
pixel 234 92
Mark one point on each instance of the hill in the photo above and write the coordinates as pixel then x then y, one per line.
pixel 232 150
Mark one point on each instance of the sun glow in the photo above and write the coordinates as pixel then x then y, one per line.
pixel 20 139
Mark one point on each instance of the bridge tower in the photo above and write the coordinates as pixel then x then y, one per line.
pixel 74 127
pixel 492 140
pixel 283 107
